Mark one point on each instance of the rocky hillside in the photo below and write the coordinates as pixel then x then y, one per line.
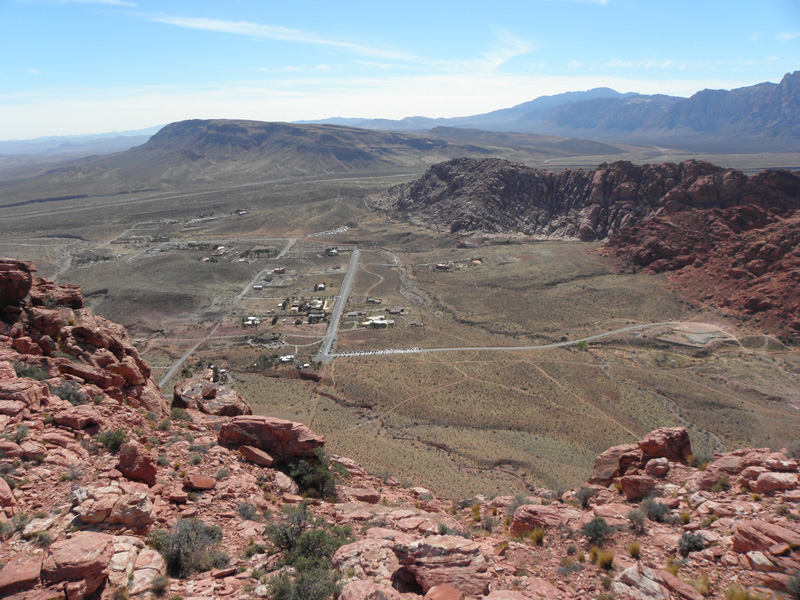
pixel 106 494
pixel 496 196
pixel 744 260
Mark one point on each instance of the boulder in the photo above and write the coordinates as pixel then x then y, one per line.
pixel 641 582
pixel 444 592
pixel 20 574
pixel 281 439
pixel 81 560
pixel 369 558
pixel 756 535
pixel 195 481
pixel 209 398
pixel 44 293
pixel 447 560
pixel 773 482
pixel 368 590
pixel 6 495
pixel 134 511
pixel 15 280
pixel 636 487
pixel 256 456
pixel 531 516
pixel 671 443
pixel 658 467
pixel 136 463
pixel 614 462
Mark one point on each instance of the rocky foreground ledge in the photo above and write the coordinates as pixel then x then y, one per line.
pixel 95 476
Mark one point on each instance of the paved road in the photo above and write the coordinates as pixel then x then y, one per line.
pixel 324 355
pixel 507 348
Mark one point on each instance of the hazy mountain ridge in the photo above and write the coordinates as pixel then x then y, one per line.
pixel 767 114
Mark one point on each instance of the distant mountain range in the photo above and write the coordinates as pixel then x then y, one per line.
pixel 762 117
pixel 72 145
pixel 197 152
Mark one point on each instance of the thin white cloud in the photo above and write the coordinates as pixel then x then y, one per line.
pixel 788 36
pixel 107 2
pixel 276 32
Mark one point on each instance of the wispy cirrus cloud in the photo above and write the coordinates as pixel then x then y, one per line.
pixel 788 36
pixel 276 32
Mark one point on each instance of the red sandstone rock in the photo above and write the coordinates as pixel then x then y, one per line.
pixel 210 398
pixel 658 467
pixel 20 574
pixel 671 443
pixel 196 481
pixel 636 487
pixel 367 590
pixel 137 464
pixel 257 456
pixel 771 482
pixel 447 560
pixel 444 592
pixel 757 535
pixel 15 280
pixel 45 293
pixel 614 462
pixel 369 558
pixel 282 439
pixel 82 559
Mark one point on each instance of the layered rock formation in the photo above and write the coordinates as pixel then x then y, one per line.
pixel 744 259
pixel 496 196
pixel 76 508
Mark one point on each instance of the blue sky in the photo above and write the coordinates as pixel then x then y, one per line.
pixel 91 66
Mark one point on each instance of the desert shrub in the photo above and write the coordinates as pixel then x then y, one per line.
pixel 690 542
pixel 655 510
pixel 30 371
pixel 121 593
pixel 315 476
pixel 685 518
pixel 701 584
pixel 71 392
pixel 179 414
pixel 736 593
pixel 475 509
pixel 605 560
pixel 722 484
pixel 112 439
pixel 699 461
pixel 584 495
pixel 20 435
pixel 488 524
pixel 672 566
pixel 635 550
pixel 195 459
pixel 248 511
pixel 582 346
pixel 536 537
pixel 42 539
pixel 597 530
pixel 313 584
pixel 163 425
pixel 162 460
pixel 253 549
pixel 519 500
pixel 221 473
pixel 160 584
pixel 189 547
pixel 637 519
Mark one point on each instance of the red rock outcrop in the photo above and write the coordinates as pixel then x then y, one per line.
pixel 280 438
pixel 210 398
pixel 136 463
pixel 79 563
pixel 468 195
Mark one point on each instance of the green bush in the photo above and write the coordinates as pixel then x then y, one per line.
pixel 722 484
pixel 20 434
pixel 248 511
pixel 163 425
pixel 313 584
pixel 30 371
pixel 112 439
pixel 597 530
pixel 314 476
pixel 160 584
pixel 189 547
pixel 179 414
pixel 584 495
pixel 655 511
pixel 690 542
pixel 71 392
pixel 637 519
